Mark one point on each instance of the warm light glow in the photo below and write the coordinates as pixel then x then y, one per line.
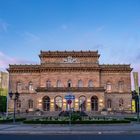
pixel 39 100
pixel 101 100
pixel 88 100
pixel 52 100
pixel 64 100
pixel 76 100
pixel 101 104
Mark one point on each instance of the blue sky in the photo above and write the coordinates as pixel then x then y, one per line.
pixel 110 26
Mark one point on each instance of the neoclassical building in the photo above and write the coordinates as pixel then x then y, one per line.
pixel 78 73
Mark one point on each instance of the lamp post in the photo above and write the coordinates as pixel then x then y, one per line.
pixel 14 97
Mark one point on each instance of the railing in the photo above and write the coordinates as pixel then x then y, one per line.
pixel 66 89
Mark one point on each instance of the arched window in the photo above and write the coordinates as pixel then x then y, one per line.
pixel 80 83
pixel 121 102
pixel 30 104
pixel 31 86
pixel 90 83
pixel 108 86
pixel 48 84
pixel 82 103
pixel 69 83
pixel 19 86
pixel 120 86
pixel 58 83
pixel 18 104
pixel 94 103
pixel 109 103
pixel 58 103
pixel 46 103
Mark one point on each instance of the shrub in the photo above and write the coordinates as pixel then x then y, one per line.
pixel 9 120
pixel 77 122
pixel 131 119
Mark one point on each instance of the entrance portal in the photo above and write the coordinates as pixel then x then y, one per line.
pixel 46 103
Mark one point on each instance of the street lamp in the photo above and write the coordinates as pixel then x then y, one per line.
pixel 14 97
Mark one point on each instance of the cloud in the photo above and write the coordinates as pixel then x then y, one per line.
pixel 30 37
pixel 3 26
pixel 5 60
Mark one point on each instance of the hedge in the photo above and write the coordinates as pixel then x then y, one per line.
pixel 131 119
pixel 11 120
pixel 76 122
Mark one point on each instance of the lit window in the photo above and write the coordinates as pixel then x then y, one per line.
pixel 58 103
pixel 82 103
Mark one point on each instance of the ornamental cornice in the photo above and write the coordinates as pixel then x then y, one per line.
pixel 68 67
pixel 115 68
pixel 69 53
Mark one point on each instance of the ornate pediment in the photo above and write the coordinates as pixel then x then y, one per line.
pixel 70 59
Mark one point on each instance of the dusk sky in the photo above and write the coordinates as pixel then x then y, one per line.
pixel 110 26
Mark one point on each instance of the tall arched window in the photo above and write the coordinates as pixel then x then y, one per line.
pixel 120 86
pixel 30 104
pixel 69 83
pixel 94 103
pixel 80 83
pixel 121 102
pixel 46 103
pixel 109 103
pixel 58 103
pixel 18 104
pixel 19 86
pixel 90 83
pixel 108 86
pixel 58 83
pixel 82 103
pixel 48 83
pixel 31 86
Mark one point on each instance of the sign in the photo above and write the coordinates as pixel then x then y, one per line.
pixel 69 97
pixel 69 101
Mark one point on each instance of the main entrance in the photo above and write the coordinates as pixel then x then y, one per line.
pixel 94 103
pixel 46 103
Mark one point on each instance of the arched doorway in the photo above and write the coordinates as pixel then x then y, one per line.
pixel 58 103
pixel 82 103
pixel 94 103
pixel 46 103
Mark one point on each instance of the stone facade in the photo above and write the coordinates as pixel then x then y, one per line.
pixel 61 73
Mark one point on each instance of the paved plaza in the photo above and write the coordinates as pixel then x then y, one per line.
pixel 70 129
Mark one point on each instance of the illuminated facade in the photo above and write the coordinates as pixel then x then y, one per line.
pixel 95 86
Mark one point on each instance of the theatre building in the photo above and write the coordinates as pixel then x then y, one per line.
pixel 78 73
